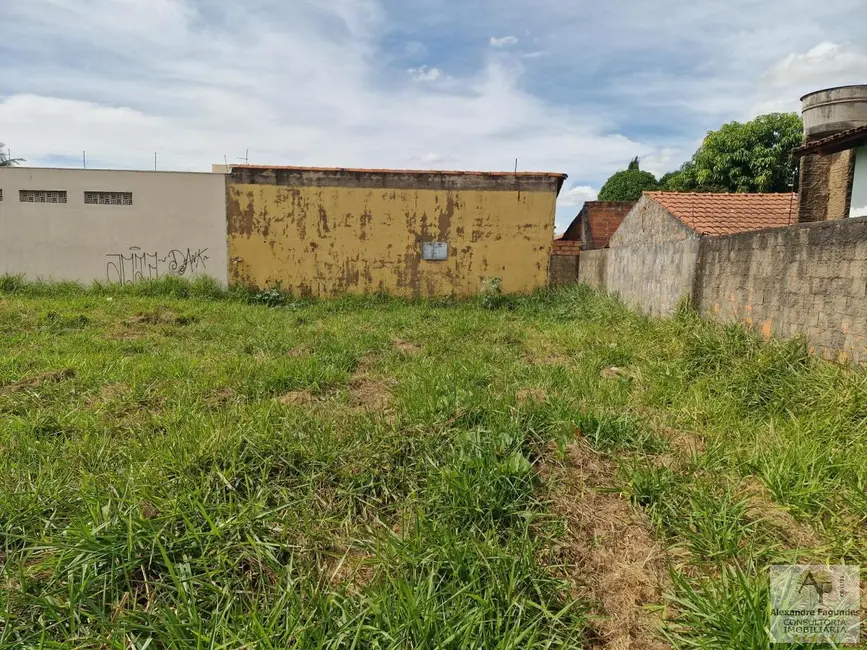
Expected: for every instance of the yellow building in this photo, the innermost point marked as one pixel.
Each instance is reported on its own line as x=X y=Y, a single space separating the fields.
x=321 y=232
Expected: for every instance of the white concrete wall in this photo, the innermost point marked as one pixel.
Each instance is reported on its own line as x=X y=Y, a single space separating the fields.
x=858 y=205
x=176 y=226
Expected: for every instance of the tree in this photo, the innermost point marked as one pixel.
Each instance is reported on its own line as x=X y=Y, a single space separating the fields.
x=6 y=160
x=627 y=184
x=755 y=156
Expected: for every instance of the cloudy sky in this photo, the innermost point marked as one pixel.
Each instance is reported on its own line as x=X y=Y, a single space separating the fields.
x=570 y=86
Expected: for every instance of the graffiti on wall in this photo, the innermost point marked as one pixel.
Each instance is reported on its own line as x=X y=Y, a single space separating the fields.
x=137 y=265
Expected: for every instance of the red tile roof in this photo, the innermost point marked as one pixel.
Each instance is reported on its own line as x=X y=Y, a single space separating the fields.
x=726 y=214
x=838 y=142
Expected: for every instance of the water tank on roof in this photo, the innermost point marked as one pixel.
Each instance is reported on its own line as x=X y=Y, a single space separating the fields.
x=833 y=110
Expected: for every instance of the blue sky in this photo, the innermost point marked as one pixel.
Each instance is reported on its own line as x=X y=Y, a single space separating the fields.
x=575 y=87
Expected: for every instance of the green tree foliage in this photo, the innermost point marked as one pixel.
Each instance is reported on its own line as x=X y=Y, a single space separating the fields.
x=755 y=156
x=627 y=184
x=6 y=160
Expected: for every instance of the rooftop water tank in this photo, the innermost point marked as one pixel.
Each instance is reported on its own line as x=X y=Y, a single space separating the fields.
x=833 y=110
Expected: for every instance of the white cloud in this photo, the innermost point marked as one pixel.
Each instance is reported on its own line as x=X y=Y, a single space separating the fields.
x=424 y=73
x=826 y=64
x=570 y=202
x=207 y=91
x=576 y=196
x=504 y=41
x=327 y=83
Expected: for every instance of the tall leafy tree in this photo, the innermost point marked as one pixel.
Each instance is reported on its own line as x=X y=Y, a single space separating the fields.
x=627 y=184
x=754 y=156
x=5 y=159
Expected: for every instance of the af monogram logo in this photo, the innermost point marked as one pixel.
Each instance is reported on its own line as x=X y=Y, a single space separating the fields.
x=815 y=604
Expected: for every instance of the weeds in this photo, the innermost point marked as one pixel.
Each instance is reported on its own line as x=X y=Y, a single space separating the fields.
x=158 y=490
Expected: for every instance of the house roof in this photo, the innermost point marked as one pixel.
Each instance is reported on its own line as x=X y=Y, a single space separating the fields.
x=395 y=178
x=727 y=214
x=602 y=217
x=833 y=143
x=361 y=170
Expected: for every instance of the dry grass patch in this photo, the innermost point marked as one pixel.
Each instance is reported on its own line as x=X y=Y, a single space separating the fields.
x=529 y=395
x=406 y=348
x=371 y=394
x=298 y=397
x=763 y=508
x=50 y=377
x=612 y=555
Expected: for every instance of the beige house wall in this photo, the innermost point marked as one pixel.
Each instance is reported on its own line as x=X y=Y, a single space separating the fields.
x=176 y=225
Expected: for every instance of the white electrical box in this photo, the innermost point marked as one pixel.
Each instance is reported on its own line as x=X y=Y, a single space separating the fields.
x=434 y=250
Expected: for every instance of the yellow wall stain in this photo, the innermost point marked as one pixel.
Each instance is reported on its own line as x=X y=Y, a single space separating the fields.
x=321 y=241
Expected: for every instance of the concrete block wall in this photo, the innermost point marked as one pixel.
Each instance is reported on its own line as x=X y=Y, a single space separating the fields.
x=651 y=262
x=807 y=278
x=653 y=278
x=591 y=268
x=563 y=263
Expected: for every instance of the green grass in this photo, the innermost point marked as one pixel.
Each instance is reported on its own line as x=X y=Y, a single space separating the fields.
x=156 y=491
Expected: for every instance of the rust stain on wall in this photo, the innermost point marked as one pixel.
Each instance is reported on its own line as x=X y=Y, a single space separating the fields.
x=325 y=232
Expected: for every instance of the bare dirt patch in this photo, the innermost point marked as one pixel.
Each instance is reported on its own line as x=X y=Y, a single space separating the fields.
x=50 y=377
x=610 y=553
x=371 y=394
x=297 y=352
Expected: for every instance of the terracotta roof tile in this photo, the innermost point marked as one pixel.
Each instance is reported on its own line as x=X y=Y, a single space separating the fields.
x=848 y=137
x=726 y=214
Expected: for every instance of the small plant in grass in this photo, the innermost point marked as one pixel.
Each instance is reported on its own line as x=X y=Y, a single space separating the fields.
x=271 y=297
x=11 y=283
x=492 y=296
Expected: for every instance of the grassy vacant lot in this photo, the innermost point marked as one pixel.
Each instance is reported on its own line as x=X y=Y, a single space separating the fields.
x=180 y=467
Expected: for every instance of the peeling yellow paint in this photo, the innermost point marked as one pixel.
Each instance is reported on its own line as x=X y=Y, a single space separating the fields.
x=326 y=240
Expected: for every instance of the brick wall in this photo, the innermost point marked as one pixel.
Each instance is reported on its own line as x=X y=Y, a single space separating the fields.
x=808 y=278
x=596 y=222
x=563 y=247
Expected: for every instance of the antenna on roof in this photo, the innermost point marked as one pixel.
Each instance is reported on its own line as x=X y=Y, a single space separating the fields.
x=792 y=193
x=246 y=157
x=84 y=159
x=155 y=160
x=516 y=166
